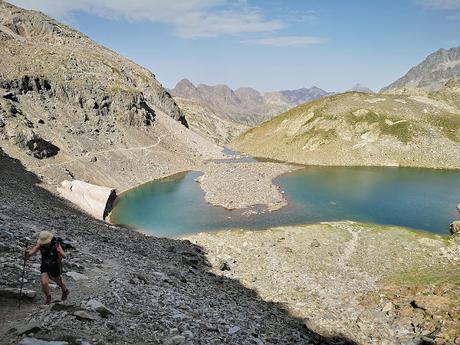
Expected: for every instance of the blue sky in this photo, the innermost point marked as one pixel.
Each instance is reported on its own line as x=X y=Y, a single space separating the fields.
x=269 y=45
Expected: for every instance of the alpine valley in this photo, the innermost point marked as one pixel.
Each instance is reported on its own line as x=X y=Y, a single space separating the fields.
x=79 y=117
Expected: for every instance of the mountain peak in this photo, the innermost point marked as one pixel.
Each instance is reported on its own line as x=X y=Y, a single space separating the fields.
x=431 y=74
x=186 y=89
x=360 y=88
x=184 y=83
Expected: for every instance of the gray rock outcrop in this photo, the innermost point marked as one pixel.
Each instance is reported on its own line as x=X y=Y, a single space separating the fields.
x=62 y=63
x=454 y=227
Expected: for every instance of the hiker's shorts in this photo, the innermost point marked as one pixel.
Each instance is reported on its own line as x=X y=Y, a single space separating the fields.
x=53 y=269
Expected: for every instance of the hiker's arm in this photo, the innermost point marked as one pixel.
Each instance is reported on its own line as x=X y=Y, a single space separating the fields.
x=60 y=251
x=33 y=251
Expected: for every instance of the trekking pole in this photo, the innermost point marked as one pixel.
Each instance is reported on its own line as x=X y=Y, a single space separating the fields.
x=23 y=273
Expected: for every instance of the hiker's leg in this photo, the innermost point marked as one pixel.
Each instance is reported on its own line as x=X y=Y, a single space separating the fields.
x=45 y=284
x=60 y=282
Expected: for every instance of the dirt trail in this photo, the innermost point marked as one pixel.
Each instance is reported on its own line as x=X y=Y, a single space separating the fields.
x=95 y=153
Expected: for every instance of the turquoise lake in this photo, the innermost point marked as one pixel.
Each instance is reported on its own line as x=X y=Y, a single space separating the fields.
x=422 y=199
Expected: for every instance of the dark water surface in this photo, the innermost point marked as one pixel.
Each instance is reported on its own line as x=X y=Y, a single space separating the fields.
x=417 y=198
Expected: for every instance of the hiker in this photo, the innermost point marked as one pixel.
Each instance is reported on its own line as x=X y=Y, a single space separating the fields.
x=52 y=254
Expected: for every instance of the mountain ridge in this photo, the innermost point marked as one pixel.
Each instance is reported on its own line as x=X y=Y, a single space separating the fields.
x=238 y=109
x=430 y=74
x=67 y=104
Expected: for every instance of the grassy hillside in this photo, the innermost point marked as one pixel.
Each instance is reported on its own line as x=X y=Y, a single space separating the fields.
x=361 y=129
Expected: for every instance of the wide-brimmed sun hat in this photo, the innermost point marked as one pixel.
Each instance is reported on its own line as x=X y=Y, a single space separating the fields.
x=45 y=237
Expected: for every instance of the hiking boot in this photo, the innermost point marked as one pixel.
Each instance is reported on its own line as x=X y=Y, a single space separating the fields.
x=48 y=299
x=65 y=294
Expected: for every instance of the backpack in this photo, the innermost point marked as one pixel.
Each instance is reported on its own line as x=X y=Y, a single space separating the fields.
x=65 y=244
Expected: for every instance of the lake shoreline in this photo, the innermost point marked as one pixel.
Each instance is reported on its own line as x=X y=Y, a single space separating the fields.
x=277 y=195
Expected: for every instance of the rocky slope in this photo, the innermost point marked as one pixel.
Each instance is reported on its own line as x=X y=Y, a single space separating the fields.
x=374 y=284
x=152 y=290
x=429 y=75
x=204 y=120
x=232 y=111
x=361 y=129
x=72 y=108
x=448 y=95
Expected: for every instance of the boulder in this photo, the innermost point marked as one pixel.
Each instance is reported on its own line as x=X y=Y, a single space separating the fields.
x=40 y=148
x=224 y=266
x=11 y=96
x=176 y=340
x=35 y=341
x=62 y=306
x=83 y=315
x=315 y=243
x=16 y=293
x=76 y=276
x=234 y=329
x=31 y=327
x=97 y=306
x=95 y=200
x=454 y=227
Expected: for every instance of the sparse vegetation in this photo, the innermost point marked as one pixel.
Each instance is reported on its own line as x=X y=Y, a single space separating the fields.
x=367 y=130
x=449 y=124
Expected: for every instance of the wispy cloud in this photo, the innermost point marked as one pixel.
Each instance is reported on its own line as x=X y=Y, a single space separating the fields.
x=287 y=41
x=440 y=4
x=452 y=7
x=190 y=18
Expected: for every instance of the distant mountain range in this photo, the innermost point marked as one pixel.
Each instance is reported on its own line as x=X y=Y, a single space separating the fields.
x=360 y=88
x=245 y=105
x=237 y=109
x=415 y=121
x=229 y=111
x=430 y=75
x=299 y=96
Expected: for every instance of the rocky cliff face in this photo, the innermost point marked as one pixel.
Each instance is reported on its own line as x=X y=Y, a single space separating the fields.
x=237 y=110
x=361 y=129
x=42 y=55
x=67 y=104
x=431 y=74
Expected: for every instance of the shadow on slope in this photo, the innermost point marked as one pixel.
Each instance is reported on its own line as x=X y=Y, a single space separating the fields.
x=157 y=288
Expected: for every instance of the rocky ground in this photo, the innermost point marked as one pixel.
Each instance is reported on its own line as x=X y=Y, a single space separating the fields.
x=374 y=284
x=152 y=290
x=243 y=185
